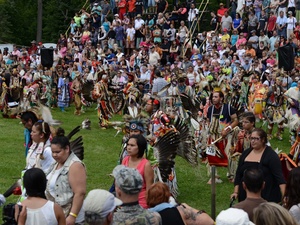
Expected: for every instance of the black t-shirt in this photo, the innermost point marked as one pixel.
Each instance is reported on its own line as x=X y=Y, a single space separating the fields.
x=214 y=23
x=262 y=22
x=165 y=47
x=224 y=116
x=139 y=6
x=161 y=5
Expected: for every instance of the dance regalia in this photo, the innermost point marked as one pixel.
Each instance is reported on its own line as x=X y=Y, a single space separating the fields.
x=274 y=110
x=219 y=119
x=293 y=111
x=256 y=96
x=100 y=93
x=11 y=92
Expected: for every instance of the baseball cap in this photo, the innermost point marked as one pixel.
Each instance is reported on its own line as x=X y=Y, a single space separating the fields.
x=100 y=202
x=129 y=180
x=233 y=216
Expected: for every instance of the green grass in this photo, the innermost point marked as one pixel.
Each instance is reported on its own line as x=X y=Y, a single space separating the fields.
x=101 y=156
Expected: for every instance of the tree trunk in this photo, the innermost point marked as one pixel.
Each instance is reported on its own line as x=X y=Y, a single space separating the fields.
x=39 y=21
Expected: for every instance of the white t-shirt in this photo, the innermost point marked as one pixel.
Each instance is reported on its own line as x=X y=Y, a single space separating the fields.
x=153 y=58
x=291 y=23
x=130 y=32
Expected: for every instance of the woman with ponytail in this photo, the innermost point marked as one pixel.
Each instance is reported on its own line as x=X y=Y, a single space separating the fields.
x=40 y=155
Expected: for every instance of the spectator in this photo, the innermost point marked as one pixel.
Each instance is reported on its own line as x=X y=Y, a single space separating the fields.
x=138 y=26
x=257 y=5
x=233 y=216
x=252 y=22
x=161 y=6
x=77 y=19
x=263 y=156
x=264 y=39
x=183 y=32
x=253 y=40
x=221 y=11
x=36 y=208
x=292 y=197
x=237 y=22
x=192 y=16
x=139 y=7
x=291 y=24
x=136 y=147
x=28 y=119
x=67 y=176
x=39 y=154
x=263 y=21
x=96 y=22
x=270 y=213
x=128 y=183
x=253 y=184
x=120 y=35
x=96 y=9
x=159 y=83
x=122 y=5
x=158 y=198
x=214 y=22
x=281 y=23
x=99 y=206
x=226 y=22
x=154 y=57
x=105 y=10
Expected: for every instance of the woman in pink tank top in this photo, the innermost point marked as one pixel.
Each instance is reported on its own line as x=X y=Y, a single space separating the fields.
x=136 y=147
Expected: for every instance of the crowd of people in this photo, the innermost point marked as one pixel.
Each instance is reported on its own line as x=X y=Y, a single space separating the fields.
x=185 y=93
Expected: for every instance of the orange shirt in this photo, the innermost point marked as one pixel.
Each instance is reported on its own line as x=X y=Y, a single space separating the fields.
x=251 y=52
x=131 y=6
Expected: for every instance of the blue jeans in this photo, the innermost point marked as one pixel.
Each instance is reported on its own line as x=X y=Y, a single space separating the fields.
x=120 y=44
x=282 y=32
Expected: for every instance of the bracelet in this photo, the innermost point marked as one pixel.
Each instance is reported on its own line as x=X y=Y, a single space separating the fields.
x=230 y=127
x=73 y=214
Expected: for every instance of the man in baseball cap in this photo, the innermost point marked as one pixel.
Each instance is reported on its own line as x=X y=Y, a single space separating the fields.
x=128 y=183
x=99 y=206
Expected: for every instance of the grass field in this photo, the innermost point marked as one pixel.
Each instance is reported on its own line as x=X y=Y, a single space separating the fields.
x=101 y=155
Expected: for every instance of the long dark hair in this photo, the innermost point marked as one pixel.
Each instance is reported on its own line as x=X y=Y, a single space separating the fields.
x=141 y=143
x=292 y=191
x=35 y=182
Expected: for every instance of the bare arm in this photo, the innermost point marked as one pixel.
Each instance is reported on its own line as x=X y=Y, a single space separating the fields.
x=192 y=216
x=282 y=189
x=77 y=180
x=234 y=123
x=20 y=217
x=149 y=175
x=59 y=213
x=235 y=192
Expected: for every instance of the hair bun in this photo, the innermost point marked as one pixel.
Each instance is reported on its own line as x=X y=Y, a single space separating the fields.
x=60 y=132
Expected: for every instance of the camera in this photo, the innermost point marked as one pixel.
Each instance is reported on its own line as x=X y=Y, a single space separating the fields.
x=8 y=214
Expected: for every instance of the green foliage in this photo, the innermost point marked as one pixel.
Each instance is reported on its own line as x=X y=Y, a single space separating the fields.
x=19 y=19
